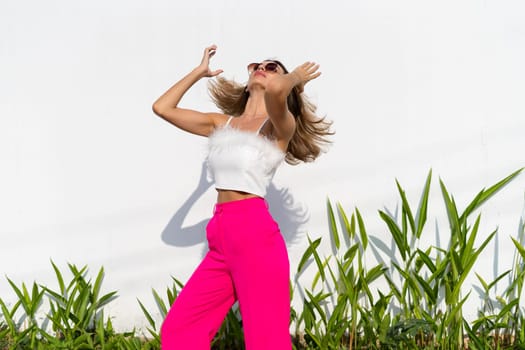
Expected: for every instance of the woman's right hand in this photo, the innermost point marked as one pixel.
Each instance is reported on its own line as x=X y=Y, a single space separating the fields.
x=204 y=67
x=195 y=122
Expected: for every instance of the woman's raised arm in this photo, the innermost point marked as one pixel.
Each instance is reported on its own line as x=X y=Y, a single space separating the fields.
x=189 y=120
x=276 y=95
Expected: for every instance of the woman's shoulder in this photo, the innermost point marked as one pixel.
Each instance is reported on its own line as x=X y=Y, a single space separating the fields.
x=219 y=119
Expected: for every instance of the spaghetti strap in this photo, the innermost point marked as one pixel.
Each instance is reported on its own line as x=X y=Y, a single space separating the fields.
x=228 y=121
x=262 y=125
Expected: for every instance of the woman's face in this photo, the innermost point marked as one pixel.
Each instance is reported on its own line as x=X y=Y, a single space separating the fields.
x=261 y=73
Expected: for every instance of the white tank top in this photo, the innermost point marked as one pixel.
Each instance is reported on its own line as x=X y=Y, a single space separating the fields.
x=242 y=160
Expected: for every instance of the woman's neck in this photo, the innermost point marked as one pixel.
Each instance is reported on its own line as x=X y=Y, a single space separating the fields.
x=255 y=106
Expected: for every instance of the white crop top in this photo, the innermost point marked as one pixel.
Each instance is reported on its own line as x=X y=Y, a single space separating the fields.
x=242 y=160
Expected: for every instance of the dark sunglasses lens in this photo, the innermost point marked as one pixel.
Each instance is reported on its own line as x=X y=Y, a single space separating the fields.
x=268 y=67
x=271 y=67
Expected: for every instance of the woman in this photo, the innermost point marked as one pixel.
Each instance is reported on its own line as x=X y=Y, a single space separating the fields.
x=263 y=123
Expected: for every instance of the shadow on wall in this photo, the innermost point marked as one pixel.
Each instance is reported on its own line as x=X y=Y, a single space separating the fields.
x=290 y=215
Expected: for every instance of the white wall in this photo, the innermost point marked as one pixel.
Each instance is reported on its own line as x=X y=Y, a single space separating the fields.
x=90 y=176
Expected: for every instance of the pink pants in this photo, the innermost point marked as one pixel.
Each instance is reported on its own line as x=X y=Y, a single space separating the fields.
x=247 y=261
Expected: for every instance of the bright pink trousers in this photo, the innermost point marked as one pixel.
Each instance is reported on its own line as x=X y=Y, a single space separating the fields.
x=247 y=261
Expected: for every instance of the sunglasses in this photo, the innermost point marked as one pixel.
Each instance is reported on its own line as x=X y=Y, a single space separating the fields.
x=267 y=67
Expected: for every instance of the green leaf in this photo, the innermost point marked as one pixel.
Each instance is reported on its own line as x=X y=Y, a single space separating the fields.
x=320 y=274
x=36 y=300
x=160 y=303
x=314 y=338
x=345 y=280
x=308 y=253
x=485 y=194
x=421 y=215
x=455 y=309
x=333 y=226
x=81 y=306
x=374 y=273
x=315 y=301
x=483 y=283
x=147 y=315
x=452 y=213
x=22 y=296
x=351 y=253
x=519 y=247
x=318 y=262
x=394 y=289
x=97 y=285
x=8 y=317
x=493 y=283
x=507 y=309
x=406 y=207
x=475 y=341
x=58 y=298
x=337 y=318
x=396 y=233
x=362 y=230
x=425 y=257
x=430 y=293
x=106 y=299
x=60 y=279
x=468 y=266
x=469 y=247
x=350 y=229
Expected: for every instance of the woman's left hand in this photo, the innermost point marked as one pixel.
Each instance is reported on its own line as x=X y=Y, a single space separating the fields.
x=304 y=73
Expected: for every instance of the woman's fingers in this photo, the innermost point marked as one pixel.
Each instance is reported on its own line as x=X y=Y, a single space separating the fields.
x=209 y=52
x=310 y=66
x=315 y=75
x=212 y=50
x=308 y=71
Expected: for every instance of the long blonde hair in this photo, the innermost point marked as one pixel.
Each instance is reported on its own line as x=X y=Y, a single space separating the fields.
x=311 y=131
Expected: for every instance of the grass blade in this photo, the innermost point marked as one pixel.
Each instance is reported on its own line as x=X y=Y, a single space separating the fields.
x=362 y=230
x=396 y=233
x=308 y=253
x=333 y=226
x=485 y=194
x=406 y=207
x=350 y=230
x=421 y=215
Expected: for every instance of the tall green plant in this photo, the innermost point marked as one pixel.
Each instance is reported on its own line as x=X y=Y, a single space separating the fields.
x=514 y=292
x=76 y=307
x=22 y=328
x=336 y=307
x=461 y=256
x=427 y=273
x=493 y=317
x=75 y=315
x=414 y=294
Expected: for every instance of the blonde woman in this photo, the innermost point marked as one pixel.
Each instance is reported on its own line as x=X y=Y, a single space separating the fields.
x=265 y=122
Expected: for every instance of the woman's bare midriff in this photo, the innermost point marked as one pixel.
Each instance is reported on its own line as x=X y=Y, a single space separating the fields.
x=229 y=195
